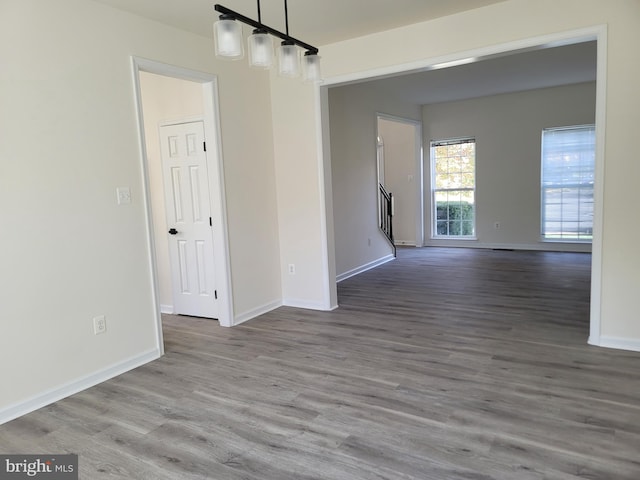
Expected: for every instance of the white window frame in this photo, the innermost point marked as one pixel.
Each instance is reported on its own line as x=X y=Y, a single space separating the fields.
x=581 y=185
x=435 y=190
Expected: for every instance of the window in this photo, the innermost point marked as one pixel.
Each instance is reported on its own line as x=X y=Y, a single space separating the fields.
x=568 y=161
x=453 y=187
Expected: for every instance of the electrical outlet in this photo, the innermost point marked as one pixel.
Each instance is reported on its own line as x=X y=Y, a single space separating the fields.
x=99 y=325
x=496 y=225
x=292 y=269
x=124 y=195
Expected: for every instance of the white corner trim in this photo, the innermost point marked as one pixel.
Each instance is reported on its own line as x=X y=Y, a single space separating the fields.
x=619 y=343
x=364 y=268
x=168 y=309
x=328 y=284
x=256 y=312
x=595 y=322
x=53 y=395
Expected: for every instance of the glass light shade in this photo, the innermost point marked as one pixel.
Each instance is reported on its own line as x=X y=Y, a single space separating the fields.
x=228 y=39
x=311 y=68
x=260 y=50
x=289 y=60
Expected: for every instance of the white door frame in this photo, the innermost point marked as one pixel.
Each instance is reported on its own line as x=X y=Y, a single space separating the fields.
x=211 y=119
x=418 y=172
x=596 y=32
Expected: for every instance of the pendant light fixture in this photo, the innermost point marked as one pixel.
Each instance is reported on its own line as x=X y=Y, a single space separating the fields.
x=288 y=55
x=260 y=49
x=260 y=46
x=288 y=60
x=228 y=35
x=311 y=67
x=228 y=45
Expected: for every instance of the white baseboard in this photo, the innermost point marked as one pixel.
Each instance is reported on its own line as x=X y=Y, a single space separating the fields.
x=297 y=303
x=632 y=344
x=288 y=302
x=256 y=312
x=364 y=268
x=168 y=309
x=53 y=395
x=404 y=243
x=542 y=246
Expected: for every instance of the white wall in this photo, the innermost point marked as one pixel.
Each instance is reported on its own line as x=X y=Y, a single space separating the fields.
x=507 y=129
x=164 y=99
x=69 y=138
x=513 y=23
x=401 y=176
x=353 y=113
x=301 y=200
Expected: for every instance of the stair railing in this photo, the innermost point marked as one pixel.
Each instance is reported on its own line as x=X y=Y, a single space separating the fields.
x=386 y=215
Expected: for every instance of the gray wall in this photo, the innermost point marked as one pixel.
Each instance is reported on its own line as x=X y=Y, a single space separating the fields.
x=353 y=113
x=507 y=129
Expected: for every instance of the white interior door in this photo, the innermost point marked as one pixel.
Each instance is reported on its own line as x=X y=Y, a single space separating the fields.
x=188 y=207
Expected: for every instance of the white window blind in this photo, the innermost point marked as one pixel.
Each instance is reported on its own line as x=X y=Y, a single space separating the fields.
x=568 y=162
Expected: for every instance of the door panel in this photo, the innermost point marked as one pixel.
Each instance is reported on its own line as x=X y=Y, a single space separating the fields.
x=188 y=210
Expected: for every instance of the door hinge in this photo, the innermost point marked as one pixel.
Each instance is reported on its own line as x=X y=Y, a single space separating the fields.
x=204 y=145
x=215 y=294
x=210 y=222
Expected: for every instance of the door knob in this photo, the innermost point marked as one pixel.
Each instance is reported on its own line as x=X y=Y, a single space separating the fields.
x=173 y=231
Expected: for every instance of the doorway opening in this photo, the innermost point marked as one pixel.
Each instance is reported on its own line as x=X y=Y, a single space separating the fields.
x=399 y=159
x=168 y=95
x=349 y=82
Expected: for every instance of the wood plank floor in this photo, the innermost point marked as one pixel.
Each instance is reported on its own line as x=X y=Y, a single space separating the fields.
x=444 y=364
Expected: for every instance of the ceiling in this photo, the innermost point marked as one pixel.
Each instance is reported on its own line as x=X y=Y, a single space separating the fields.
x=317 y=22
x=320 y=22
x=514 y=72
